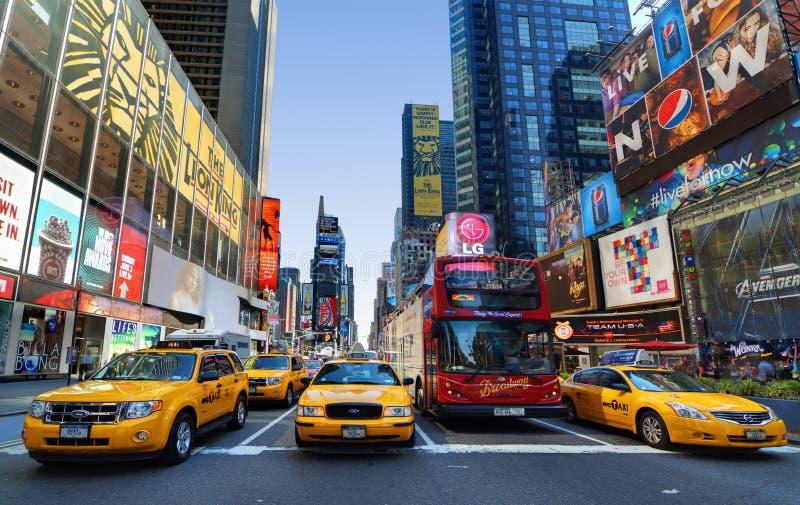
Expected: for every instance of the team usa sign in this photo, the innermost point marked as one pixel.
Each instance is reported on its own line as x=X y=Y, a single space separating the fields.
x=686 y=72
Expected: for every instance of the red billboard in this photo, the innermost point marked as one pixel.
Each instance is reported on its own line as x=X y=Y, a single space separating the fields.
x=269 y=245
x=130 y=266
x=327 y=313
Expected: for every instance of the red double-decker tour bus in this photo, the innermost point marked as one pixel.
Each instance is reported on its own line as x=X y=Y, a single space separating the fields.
x=476 y=339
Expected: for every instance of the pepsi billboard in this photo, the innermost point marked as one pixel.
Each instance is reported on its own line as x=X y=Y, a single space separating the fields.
x=601 y=205
x=715 y=57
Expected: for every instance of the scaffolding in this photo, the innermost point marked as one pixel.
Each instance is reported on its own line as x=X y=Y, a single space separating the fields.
x=560 y=180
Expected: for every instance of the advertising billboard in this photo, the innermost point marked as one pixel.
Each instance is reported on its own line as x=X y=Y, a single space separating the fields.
x=55 y=233
x=98 y=248
x=601 y=205
x=39 y=344
x=327 y=313
x=305 y=294
x=637 y=266
x=466 y=234
x=123 y=337
x=741 y=158
x=270 y=240
x=130 y=267
x=150 y=335
x=16 y=188
x=748 y=269
x=328 y=224
x=740 y=53
x=620 y=328
x=426 y=162
x=565 y=223
x=343 y=299
x=569 y=277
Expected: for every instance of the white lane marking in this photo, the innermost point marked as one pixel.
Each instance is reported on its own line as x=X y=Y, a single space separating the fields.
x=425 y=437
x=457 y=466
x=669 y=491
x=255 y=450
x=15 y=449
x=553 y=426
x=265 y=428
x=195 y=450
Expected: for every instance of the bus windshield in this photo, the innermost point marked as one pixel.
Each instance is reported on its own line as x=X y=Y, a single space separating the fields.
x=493 y=347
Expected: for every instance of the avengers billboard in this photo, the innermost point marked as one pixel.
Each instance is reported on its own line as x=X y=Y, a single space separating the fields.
x=714 y=59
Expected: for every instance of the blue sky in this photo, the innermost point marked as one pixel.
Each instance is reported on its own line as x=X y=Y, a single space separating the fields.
x=343 y=72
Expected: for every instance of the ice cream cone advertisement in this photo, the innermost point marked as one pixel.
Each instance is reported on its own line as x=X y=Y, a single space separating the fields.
x=55 y=233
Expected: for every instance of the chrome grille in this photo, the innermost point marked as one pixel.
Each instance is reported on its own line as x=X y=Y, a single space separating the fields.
x=744 y=418
x=258 y=381
x=89 y=413
x=353 y=411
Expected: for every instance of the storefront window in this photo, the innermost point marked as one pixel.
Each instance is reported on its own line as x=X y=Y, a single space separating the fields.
x=108 y=178
x=69 y=152
x=5 y=331
x=22 y=112
x=40 y=342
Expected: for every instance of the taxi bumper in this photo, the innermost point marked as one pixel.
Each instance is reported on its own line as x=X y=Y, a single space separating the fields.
x=267 y=393
x=716 y=433
x=104 y=441
x=383 y=430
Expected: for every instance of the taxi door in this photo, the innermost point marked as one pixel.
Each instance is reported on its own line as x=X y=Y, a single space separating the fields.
x=210 y=392
x=230 y=383
x=615 y=404
x=587 y=394
x=299 y=371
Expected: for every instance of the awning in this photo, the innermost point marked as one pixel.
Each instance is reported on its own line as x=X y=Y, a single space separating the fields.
x=255 y=302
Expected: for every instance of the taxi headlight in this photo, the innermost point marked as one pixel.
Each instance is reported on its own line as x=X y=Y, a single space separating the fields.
x=684 y=411
x=771 y=412
x=306 y=411
x=137 y=410
x=37 y=409
x=274 y=381
x=397 y=411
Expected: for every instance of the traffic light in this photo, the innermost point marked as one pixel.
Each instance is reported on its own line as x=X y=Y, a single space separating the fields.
x=327 y=337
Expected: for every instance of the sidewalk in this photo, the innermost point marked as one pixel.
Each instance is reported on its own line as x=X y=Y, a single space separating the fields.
x=16 y=396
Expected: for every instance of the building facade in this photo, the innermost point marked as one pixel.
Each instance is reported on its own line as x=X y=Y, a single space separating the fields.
x=124 y=205
x=523 y=93
x=227 y=50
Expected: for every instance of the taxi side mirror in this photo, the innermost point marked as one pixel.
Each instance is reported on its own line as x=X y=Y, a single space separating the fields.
x=305 y=381
x=620 y=386
x=209 y=375
x=408 y=381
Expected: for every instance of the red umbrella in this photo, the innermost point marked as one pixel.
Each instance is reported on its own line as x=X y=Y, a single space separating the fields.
x=660 y=345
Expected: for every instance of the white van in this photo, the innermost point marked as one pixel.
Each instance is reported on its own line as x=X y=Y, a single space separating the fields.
x=238 y=342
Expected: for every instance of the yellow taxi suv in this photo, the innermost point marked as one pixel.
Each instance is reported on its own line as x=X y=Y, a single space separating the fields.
x=355 y=400
x=275 y=376
x=143 y=404
x=665 y=407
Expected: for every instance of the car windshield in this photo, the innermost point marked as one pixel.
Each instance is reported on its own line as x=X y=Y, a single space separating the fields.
x=493 y=347
x=665 y=381
x=170 y=366
x=267 y=363
x=313 y=363
x=357 y=373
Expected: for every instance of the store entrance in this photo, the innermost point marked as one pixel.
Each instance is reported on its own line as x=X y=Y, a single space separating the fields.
x=89 y=332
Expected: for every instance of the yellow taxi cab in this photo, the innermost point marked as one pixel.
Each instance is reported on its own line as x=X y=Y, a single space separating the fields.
x=275 y=376
x=143 y=404
x=355 y=399
x=665 y=407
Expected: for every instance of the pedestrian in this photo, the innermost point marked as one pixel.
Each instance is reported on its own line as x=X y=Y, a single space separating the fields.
x=783 y=373
x=766 y=372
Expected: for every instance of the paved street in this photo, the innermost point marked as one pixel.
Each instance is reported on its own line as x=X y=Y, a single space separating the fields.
x=497 y=461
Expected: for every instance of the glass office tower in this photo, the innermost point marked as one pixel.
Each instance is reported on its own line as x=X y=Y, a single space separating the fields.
x=524 y=93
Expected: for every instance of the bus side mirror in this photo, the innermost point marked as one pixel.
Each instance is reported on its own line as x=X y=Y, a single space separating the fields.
x=408 y=381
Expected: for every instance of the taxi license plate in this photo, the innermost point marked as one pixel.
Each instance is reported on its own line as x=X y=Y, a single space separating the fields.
x=514 y=411
x=74 y=431
x=252 y=389
x=755 y=434
x=353 y=432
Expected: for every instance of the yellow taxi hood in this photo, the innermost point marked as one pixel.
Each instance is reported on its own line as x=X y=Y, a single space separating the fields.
x=109 y=391
x=260 y=374
x=716 y=402
x=343 y=393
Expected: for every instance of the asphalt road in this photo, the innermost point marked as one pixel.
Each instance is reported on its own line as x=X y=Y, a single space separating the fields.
x=500 y=461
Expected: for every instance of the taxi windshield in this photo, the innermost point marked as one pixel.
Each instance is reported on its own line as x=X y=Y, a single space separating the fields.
x=665 y=381
x=160 y=366
x=267 y=363
x=357 y=373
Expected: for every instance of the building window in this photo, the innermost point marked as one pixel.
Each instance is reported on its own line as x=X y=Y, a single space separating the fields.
x=533 y=133
x=524 y=31
x=528 y=82
x=581 y=35
x=592 y=136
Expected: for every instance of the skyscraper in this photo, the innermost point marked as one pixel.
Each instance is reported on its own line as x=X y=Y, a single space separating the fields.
x=433 y=149
x=227 y=50
x=524 y=93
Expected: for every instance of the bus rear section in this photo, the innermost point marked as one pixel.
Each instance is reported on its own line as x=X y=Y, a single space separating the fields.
x=478 y=340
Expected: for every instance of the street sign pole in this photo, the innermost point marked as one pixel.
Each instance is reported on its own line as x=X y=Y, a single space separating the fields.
x=72 y=351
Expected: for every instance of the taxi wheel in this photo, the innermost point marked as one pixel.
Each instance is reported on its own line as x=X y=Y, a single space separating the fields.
x=239 y=414
x=289 y=400
x=181 y=436
x=572 y=412
x=654 y=431
x=299 y=442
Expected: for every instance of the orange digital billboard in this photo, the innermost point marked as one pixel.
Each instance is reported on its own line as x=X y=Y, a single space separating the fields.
x=269 y=245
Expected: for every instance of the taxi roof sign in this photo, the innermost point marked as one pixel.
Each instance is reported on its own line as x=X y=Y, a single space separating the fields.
x=633 y=357
x=357 y=352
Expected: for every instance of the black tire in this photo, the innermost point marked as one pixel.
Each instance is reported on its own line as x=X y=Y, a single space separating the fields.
x=419 y=401
x=572 y=412
x=289 y=400
x=299 y=442
x=181 y=438
x=653 y=430
x=409 y=444
x=239 y=414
